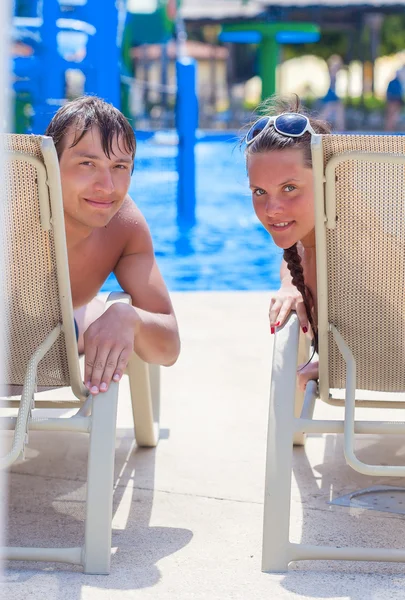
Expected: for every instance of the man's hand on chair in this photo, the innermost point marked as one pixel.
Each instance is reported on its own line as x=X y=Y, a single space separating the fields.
x=282 y=302
x=108 y=345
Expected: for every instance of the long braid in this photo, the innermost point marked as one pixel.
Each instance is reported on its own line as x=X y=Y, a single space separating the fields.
x=293 y=260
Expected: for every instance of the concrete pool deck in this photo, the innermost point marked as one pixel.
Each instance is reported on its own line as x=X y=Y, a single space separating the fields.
x=187 y=518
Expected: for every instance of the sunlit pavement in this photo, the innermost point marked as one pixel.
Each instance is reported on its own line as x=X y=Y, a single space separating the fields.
x=188 y=516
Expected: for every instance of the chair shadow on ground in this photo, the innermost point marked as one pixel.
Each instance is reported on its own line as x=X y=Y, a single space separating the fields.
x=331 y=525
x=47 y=507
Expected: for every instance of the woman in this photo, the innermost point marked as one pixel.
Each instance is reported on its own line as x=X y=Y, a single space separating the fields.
x=278 y=156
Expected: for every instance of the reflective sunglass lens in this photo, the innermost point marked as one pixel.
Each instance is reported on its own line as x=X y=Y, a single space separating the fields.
x=291 y=124
x=256 y=128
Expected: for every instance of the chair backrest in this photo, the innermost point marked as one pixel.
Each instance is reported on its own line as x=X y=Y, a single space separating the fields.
x=35 y=265
x=360 y=230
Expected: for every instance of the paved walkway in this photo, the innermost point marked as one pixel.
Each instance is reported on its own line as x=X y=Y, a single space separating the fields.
x=188 y=516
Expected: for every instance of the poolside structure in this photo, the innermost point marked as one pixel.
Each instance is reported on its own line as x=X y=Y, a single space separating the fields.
x=350 y=16
x=269 y=36
x=65 y=36
x=151 y=23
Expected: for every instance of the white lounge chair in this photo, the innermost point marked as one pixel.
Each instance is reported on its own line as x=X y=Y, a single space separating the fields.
x=39 y=344
x=360 y=246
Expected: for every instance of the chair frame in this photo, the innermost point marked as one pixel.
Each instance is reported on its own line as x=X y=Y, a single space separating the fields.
x=290 y=416
x=96 y=414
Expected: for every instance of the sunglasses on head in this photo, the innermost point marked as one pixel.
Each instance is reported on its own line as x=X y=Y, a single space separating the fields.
x=287 y=124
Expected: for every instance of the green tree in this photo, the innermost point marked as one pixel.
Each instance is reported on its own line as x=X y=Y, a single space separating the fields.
x=334 y=42
x=331 y=42
x=392 y=34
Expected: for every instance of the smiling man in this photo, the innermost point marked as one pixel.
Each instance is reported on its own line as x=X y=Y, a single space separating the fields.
x=106 y=232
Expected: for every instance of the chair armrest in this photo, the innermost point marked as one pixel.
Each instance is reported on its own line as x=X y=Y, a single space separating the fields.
x=115 y=297
x=144 y=382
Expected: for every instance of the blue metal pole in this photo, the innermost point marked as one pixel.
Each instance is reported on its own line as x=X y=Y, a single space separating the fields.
x=104 y=52
x=186 y=123
x=52 y=72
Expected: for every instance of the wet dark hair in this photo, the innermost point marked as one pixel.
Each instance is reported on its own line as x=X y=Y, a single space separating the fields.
x=268 y=141
x=87 y=112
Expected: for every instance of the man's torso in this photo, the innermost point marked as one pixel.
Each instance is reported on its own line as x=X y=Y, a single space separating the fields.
x=92 y=261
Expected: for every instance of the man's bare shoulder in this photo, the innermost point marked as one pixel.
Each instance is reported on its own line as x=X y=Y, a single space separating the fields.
x=129 y=216
x=130 y=226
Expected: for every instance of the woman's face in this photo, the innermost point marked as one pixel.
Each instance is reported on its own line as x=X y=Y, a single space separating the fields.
x=283 y=195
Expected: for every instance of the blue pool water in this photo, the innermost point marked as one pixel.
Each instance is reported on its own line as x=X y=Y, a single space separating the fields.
x=227 y=249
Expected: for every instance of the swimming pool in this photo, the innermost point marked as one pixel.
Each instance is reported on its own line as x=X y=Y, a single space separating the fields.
x=227 y=249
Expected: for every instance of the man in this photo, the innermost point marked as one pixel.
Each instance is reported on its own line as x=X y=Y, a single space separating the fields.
x=106 y=232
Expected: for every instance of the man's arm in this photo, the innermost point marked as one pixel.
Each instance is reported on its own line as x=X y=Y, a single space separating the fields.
x=149 y=326
x=156 y=337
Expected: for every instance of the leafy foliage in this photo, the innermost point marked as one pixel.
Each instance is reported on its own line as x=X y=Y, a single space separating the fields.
x=392 y=40
x=392 y=34
x=331 y=42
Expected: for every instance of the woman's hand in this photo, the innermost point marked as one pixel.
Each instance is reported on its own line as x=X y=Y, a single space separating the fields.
x=306 y=373
x=286 y=299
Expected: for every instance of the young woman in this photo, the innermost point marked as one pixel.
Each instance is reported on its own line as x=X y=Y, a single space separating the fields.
x=278 y=155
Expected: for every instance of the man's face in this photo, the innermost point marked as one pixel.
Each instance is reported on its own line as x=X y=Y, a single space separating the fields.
x=93 y=185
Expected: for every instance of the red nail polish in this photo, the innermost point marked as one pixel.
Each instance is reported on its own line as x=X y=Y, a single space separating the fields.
x=305 y=329
x=272 y=330
x=278 y=324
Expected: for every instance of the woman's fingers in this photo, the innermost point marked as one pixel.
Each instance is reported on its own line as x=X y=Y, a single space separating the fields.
x=280 y=312
x=275 y=306
x=302 y=316
x=280 y=308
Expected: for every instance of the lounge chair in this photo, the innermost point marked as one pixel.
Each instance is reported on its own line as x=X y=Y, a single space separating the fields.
x=360 y=245
x=39 y=339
